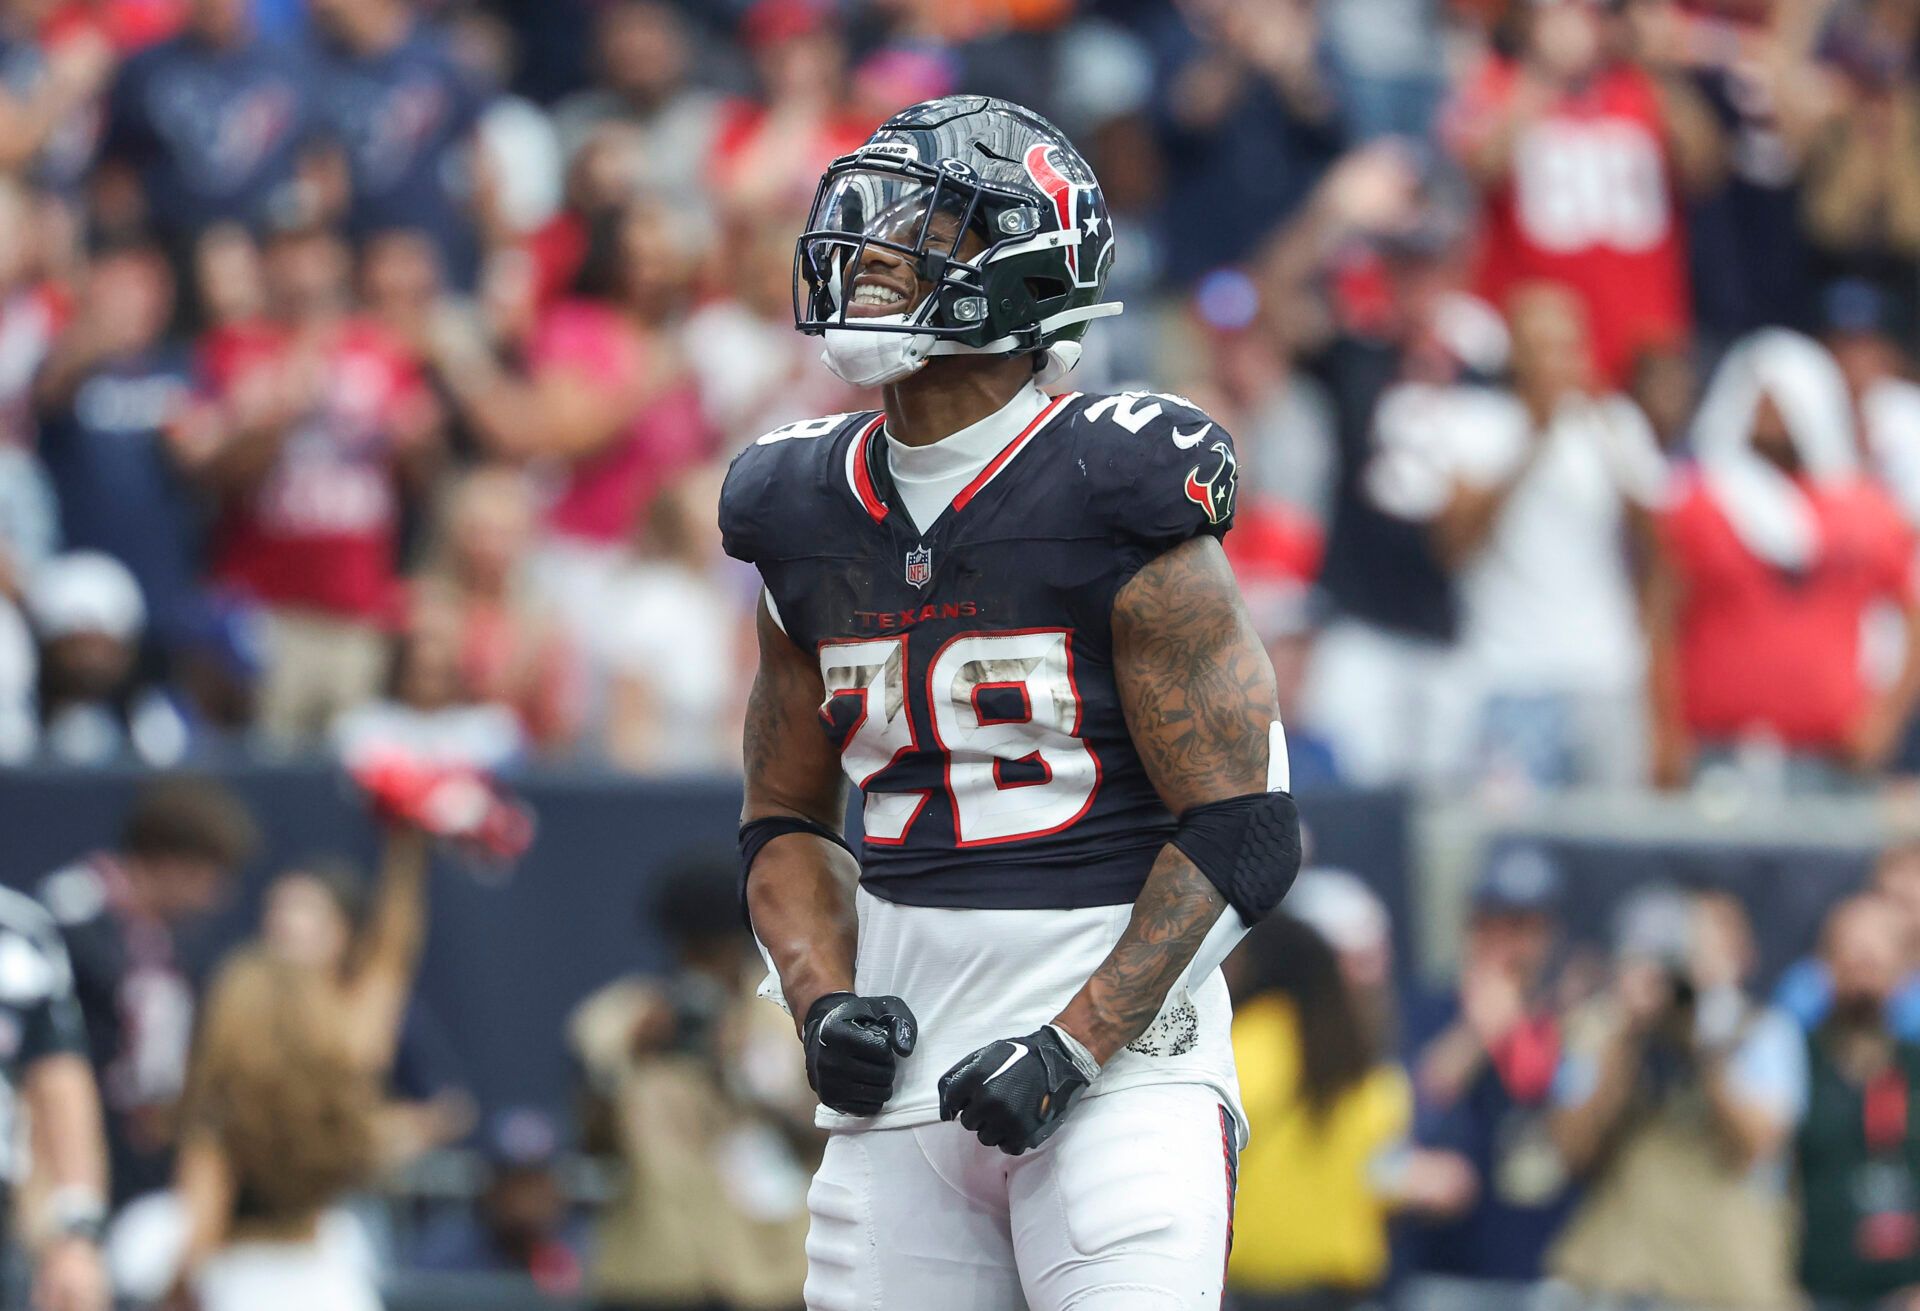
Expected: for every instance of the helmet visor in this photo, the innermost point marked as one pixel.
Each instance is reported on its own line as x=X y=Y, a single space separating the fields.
x=861 y=213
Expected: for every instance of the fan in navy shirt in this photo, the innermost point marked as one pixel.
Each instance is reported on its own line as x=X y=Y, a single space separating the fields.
x=213 y=122
x=120 y=915
x=1485 y=1058
x=1249 y=124
x=403 y=113
x=106 y=398
x=1752 y=219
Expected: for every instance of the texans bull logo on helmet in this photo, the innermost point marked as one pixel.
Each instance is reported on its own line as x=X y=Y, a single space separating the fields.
x=1069 y=184
x=1042 y=240
x=1214 y=493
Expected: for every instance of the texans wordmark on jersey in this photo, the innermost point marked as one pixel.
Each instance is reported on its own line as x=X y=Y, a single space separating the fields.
x=969 y=668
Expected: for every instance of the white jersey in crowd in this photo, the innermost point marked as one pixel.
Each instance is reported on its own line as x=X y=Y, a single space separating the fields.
x=1547 y=602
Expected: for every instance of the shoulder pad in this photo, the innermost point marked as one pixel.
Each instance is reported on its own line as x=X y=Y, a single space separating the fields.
x=1160 y=469
x=781 y=473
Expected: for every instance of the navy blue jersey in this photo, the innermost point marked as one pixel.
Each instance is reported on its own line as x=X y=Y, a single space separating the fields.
x=969 y=669
x=215 y=134
x=118 y=486
x=403 y=118
x=136 y=1004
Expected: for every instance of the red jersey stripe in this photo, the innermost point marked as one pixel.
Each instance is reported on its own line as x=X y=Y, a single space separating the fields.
x=1007 y=453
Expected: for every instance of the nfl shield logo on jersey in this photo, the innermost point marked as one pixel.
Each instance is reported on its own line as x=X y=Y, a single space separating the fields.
x=920 y=565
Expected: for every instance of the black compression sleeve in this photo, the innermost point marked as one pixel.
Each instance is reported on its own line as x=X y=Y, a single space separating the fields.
x=1248 y=847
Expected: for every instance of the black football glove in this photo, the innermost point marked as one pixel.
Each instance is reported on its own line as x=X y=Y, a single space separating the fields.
x=852 y=1044
x=1014 y=1093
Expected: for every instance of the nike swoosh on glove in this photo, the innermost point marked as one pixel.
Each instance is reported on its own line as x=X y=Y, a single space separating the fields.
x=853 y=1044
x=1014 y=1093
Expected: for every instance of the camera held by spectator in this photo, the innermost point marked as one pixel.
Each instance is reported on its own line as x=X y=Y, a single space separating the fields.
x=683 y=1071
x=1677 y=1098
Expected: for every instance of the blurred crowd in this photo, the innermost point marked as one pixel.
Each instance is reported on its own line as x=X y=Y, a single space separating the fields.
x=368 y=367
x=1582 y=1122
x=261 y=1099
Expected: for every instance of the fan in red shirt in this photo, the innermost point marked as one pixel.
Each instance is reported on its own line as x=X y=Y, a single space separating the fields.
x=1580 y=151
x=314 y=421
x=770 y=151
x=599 y=399
x=1775 y=550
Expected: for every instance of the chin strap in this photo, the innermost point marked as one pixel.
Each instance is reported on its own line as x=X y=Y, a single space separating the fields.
x=1010 y=343
x=872 y=359
x=1056 y=362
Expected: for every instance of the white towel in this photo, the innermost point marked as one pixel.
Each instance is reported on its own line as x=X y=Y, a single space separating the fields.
x=1768 y=509
x=1890 y=429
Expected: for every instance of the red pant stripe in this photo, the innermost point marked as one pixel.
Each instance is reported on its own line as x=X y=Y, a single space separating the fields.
x=1230 y=1158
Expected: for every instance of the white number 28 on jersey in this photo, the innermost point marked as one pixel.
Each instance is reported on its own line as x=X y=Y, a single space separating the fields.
x=1033 y=670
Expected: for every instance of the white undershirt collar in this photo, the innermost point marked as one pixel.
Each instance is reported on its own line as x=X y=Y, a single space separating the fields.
x=929 y=477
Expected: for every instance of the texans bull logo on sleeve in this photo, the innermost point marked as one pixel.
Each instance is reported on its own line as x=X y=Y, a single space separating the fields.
x=1214 y=493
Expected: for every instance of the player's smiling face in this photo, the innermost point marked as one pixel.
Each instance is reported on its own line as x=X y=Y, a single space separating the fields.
x=889 y=282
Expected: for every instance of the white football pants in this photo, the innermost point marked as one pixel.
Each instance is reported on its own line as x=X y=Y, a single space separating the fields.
x=1127 y=1208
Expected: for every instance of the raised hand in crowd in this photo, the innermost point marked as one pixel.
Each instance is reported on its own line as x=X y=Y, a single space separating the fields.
x=1492 y=1003
x=77 y=69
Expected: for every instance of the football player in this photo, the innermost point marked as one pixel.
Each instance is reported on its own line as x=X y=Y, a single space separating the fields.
x=1005 y=616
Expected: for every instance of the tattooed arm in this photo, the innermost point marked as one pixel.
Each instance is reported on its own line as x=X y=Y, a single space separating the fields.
x=801 y=894
x=1199 y=695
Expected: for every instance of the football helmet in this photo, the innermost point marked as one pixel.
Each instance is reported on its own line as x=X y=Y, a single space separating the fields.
x=932 y=176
